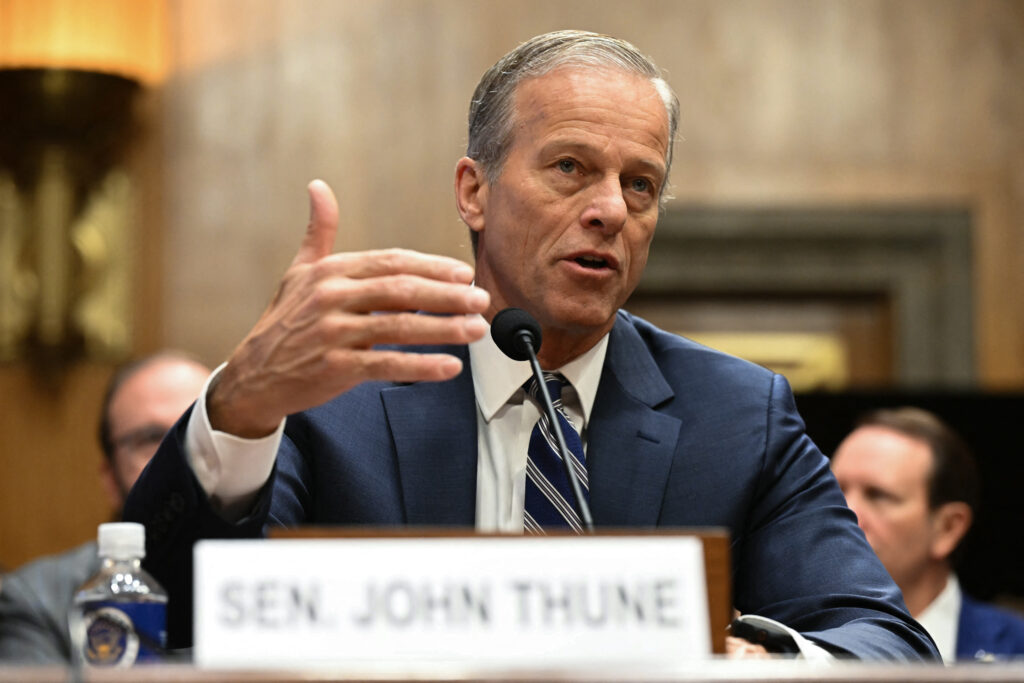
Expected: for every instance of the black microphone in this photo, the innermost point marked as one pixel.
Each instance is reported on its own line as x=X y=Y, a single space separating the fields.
x=517 y=334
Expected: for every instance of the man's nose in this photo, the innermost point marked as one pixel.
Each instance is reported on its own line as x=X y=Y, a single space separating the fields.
x=606 y=210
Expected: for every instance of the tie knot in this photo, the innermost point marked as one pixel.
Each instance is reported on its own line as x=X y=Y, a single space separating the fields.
x=554 y=381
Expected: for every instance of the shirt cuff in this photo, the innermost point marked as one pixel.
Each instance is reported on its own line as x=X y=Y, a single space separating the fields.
x=230 y=469
x=808 y=650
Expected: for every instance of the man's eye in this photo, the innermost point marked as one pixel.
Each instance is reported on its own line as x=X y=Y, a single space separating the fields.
x=566 y=165
x=641 y=185
x=148 y=436
x=878 y=495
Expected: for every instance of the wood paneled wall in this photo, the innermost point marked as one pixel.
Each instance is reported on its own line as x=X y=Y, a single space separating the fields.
x=785 y=103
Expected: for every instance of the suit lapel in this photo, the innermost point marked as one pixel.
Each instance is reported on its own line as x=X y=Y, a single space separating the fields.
x=630 y=444
x=434 y=428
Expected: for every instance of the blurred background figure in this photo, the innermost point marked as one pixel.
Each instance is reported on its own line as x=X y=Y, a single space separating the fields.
x=913 y=485
x=142 y=401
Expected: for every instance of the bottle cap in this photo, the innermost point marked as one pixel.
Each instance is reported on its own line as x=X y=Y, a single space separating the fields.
x=122 y=540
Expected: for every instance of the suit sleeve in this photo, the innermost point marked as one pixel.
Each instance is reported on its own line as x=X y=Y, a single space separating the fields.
x=169 y=501
x=30 y=632
x=34 y=604
x=834 y=590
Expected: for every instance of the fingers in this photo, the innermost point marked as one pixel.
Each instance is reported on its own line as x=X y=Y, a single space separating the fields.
x=371 y=264
x=348 y=331
x=398 y=366
x=399 y=293
x=386 y=280
x=323 y=224
x=740 y=648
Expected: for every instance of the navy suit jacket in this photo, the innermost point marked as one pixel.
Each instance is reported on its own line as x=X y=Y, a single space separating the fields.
x=680 y=436
x=985 y=631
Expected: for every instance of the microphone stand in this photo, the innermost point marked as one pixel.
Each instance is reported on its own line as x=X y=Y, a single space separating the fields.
x=581 y=503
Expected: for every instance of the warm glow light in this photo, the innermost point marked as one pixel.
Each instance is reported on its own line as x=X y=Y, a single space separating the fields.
x=124 y=37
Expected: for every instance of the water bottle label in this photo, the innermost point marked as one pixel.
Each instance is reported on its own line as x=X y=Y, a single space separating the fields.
x=119 y=634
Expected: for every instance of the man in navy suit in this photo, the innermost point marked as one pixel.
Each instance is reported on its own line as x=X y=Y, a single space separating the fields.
x=570 y=146
x=913 y=484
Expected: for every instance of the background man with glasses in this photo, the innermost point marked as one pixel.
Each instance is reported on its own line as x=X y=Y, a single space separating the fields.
x=142 y=401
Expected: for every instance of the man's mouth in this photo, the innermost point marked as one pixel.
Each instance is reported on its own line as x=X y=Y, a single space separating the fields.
x=594 y=262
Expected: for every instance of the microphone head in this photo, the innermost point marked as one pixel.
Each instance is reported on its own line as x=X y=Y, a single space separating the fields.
x=515 y=332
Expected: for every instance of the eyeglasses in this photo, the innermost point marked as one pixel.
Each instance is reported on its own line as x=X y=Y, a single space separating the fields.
x=145 y=437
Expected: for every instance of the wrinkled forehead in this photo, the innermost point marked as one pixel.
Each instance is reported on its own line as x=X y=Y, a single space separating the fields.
x=550 y=92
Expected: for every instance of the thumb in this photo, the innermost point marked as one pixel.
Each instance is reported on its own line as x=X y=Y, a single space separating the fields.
x=323 y=224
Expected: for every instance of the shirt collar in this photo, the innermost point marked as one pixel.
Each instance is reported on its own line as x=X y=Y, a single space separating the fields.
x=496 y=377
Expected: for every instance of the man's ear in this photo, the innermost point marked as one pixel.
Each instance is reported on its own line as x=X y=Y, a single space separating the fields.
x=110 y=485
x=471 y=192
x=950 y=523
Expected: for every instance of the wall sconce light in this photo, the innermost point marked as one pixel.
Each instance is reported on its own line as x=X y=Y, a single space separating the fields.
x=70 y=71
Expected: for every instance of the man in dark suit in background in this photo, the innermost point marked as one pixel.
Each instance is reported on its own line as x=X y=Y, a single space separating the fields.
x=143 y=399
x=913 y=484
x=570 y=146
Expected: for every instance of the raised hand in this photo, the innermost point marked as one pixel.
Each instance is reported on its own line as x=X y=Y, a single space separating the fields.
x=314 y=340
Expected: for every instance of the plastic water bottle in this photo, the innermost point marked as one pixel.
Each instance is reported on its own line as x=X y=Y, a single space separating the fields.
x=120 y=615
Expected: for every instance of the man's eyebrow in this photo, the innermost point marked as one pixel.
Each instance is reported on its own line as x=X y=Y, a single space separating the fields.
x=143 y=431
x=564 y=145
x=656 y=168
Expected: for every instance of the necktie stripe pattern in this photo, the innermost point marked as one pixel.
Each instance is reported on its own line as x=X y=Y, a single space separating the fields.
x=552 y=440
x=550 y=503
x=553 y=496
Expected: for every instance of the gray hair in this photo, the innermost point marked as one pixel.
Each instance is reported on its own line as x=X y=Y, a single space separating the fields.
x=491 y=111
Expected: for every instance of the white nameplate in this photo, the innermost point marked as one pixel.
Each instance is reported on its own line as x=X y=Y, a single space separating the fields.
x=475 y=602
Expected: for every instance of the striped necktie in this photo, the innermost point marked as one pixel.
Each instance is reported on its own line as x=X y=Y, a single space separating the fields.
x=550 y=503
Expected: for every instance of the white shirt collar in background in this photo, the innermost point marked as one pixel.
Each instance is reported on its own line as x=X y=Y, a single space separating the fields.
x=942 y=617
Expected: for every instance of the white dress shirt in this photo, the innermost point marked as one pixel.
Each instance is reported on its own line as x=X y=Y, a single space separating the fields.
x=505 y=418
x=942 y=618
